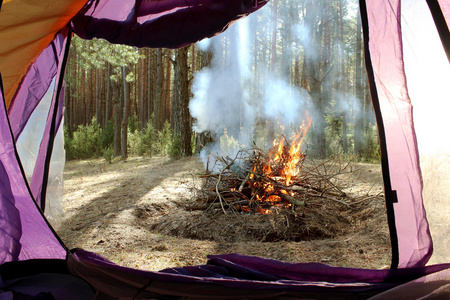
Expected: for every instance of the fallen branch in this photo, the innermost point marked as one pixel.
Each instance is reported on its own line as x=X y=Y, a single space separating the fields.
x=253 y=179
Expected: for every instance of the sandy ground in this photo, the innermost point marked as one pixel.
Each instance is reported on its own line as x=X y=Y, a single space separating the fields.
x=116 y=210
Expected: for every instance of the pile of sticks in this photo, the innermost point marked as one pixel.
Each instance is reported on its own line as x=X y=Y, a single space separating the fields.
x=252 y=182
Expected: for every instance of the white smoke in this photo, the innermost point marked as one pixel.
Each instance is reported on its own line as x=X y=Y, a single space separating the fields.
x=228 y=101
x=283 y=101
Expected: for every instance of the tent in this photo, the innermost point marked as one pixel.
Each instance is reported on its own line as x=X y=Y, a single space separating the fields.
x=35 y=263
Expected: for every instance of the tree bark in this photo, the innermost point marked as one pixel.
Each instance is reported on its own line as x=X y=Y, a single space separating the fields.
x=98 y=100
x=270 y=127
x=343 y=81
x=91 y=100
x=117 y=118
x=181 y=113
x=315 y=79
x=150 y=86
x=108 y=96
x=359 y=122
x=67 y=114
x=158 y=98
x=83 y=99
x=204 y=138
x=142 y=105
x=167 y=112
x=126 y=110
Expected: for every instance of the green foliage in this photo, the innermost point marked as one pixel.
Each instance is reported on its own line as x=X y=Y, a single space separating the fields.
x=148 y=137
x=228 y=143
x=108 y=154
x=91 y=141
x=68 y=145
x=97 y=52
x=141 y=142
x=370 y=147
x=371 y=150
x=108 y=135
x=133 y=124
x=164 y=140
x=175 y=148
x=133 y=140
x=108 y=59
x=86 y=142
x=194 y=141
x=333 y=132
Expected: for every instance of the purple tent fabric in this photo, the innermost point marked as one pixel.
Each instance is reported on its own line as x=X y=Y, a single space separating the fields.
x=160 y=24
x=54 y=118
x=238 y=276
x=411 y=240
x=24 y=232
x=26 y=235
x=35 y=84
x=445 y=7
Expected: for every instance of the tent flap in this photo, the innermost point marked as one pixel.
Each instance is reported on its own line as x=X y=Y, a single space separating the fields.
x=234 y=276
x=410 y=235
x=25 y=233
x=160 y=24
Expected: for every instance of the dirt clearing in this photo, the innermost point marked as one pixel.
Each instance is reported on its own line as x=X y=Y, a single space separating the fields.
x=137 y=213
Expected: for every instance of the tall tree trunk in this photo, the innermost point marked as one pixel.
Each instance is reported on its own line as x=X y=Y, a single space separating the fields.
x=359 y=122
x=167 y=112
x=204 y=138
x=314 y=20
x=158 y=98
x=150 y=85
x=270 y=127
x=182 y=118
x=142 y=105
x=91 y=100
x=98 y=100
x=67 y=114
x=126 y=111
x=83 y=99
x=117 y=118
x=135 y=104
x=304 y=76
x=108 y=96
x=343 y=81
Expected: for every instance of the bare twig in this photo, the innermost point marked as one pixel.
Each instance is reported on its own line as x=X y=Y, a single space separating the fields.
x=367 y=198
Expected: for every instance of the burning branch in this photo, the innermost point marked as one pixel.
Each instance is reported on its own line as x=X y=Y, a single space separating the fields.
x=247 y=183
x=257 y=181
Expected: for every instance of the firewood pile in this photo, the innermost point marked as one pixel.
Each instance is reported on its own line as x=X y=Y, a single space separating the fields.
x=268 y=196
x=255 y=181
x=274 y=195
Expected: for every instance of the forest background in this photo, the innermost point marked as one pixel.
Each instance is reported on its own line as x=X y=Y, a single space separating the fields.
x=265 y=73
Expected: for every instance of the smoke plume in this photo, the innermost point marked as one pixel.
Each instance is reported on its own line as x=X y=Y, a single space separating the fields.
x=233 y=95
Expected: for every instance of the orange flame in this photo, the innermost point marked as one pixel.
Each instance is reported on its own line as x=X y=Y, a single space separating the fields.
x=295 y=155
x=282 y=165
x=289 y=158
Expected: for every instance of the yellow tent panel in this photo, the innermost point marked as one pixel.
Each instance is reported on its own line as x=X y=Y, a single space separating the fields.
x=26 y=28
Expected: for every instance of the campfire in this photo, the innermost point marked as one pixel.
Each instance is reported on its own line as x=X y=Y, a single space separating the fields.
x=279 y=194
x=264 y=182
x=273 y=172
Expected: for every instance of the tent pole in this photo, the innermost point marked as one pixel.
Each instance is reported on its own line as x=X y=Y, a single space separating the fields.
x=441 y=25
x=53 y=124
